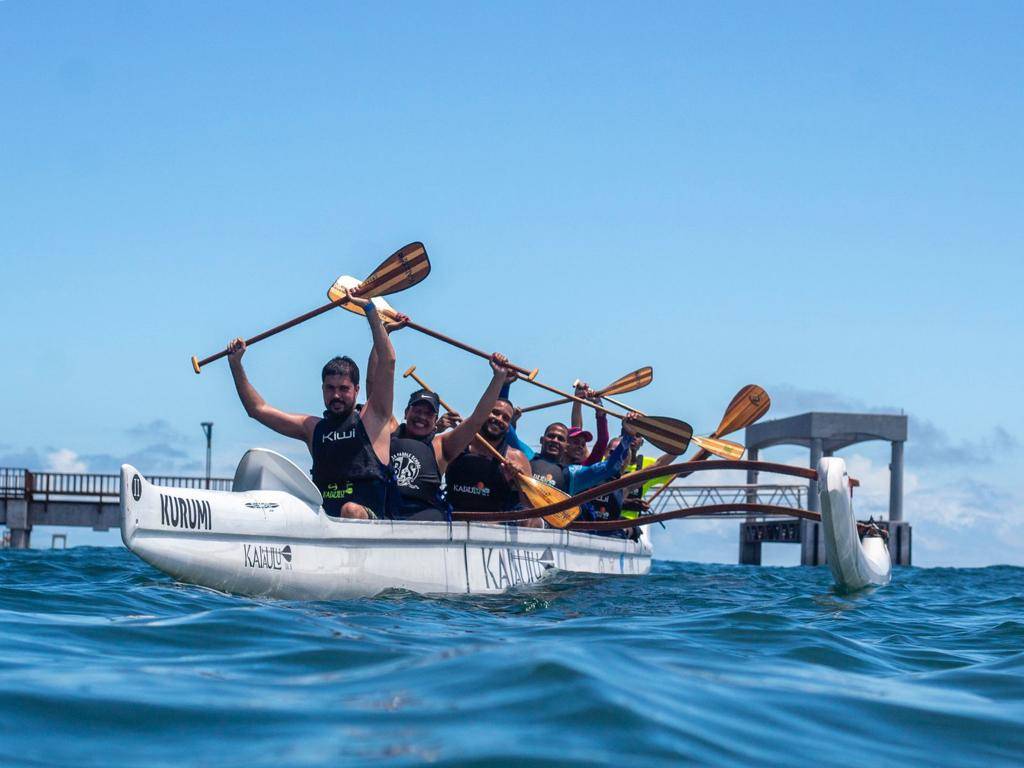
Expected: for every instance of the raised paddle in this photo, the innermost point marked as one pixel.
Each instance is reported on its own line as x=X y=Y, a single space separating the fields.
x=670 y=435
x=402 y=269
x=727 y=449
x=631 y=382
x=747 y=406
x=526 y=374
x=539 y=494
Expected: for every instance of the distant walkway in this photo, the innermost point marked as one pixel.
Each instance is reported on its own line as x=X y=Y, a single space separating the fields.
x=28 y=499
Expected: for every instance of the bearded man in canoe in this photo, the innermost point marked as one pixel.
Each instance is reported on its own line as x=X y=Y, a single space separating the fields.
x=420 y=455
x=477 y=481
x=351 y=448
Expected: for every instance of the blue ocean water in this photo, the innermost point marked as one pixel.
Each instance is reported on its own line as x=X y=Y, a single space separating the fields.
x=106 y=662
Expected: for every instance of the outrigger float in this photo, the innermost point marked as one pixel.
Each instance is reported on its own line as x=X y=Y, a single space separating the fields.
x=269 y=537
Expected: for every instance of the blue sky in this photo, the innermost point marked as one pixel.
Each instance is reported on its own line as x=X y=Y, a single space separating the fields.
x=825 y=200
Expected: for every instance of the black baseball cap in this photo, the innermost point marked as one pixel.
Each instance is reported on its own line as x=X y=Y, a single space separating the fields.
x=425 y=396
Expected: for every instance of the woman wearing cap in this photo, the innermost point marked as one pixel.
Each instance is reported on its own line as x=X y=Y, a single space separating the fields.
x=420 y=456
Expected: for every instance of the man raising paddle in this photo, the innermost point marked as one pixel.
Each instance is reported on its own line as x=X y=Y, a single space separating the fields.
x=350 y=447
x=420 y=454
x=475 y=480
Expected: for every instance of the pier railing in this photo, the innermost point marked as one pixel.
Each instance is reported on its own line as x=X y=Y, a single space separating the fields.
x=55 y=486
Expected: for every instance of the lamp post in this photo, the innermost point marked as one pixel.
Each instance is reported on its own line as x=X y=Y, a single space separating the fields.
x=208 y=431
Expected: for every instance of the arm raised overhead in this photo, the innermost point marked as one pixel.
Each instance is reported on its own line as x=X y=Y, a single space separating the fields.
x=294 y=425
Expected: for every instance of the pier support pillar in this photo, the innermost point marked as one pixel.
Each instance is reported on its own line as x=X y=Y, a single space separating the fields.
x=812 y=543
x=900 y=541
x=17 y=521
x=896 y=482
x=813 y=503
x=750 y=548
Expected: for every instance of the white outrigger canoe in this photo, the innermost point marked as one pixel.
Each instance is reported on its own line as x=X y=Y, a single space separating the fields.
x=269 y=537
x=855 y=562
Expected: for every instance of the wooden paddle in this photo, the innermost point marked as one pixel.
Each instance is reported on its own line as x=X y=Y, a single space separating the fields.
x=525 y=374
x=402 y=269
x=670 y=435
x=727 y=449
x=631 y=382
x=747 y=406
x=537 y=493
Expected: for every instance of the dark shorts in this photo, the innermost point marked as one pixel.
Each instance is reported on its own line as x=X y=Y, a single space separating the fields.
x=371 y=495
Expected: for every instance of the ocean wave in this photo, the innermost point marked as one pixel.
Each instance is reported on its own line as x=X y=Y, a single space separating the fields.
x=107 y=662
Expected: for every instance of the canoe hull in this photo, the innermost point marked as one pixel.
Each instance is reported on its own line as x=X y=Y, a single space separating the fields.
x=855 y=562
x=270 y=543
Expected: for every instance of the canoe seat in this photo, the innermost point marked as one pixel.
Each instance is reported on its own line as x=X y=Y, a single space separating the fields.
x=264 y=470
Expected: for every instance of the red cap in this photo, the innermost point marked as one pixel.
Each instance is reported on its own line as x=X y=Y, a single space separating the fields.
x=576 y=432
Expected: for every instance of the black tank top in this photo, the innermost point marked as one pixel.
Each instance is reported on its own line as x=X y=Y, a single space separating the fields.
x=474 y=482
x=415 y=466
x=550 y=472
x=345 y=466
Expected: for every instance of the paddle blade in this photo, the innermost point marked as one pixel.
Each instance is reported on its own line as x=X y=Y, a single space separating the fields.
x=402 y=269
x=749 y=405
x=670 y=435
x=347 y=281
x=727 y=449
x=631 y=382
x=541 y=494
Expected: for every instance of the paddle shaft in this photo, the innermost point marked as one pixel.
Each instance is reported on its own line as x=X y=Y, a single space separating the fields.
x=273 y=331
x=573 y=398
x=425 y=386
x=527 y=374
x=405 y=267
x=611 y=399
x=562 y=401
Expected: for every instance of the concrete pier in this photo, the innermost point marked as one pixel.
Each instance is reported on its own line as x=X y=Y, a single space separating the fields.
x=823 y=434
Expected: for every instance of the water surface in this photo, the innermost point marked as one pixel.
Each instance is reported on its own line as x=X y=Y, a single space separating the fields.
x=107 y=662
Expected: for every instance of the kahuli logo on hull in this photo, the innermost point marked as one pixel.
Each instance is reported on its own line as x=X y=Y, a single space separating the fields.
x=193 y=514
x=267 y=558
x=261 y=504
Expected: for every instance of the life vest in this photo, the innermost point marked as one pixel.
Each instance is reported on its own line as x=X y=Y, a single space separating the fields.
x=414 y=463
x=346 y=468
x=549 y=472
x=475 y=482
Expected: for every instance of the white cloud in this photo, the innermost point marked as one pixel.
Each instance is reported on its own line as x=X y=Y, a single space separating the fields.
x=64 y=460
